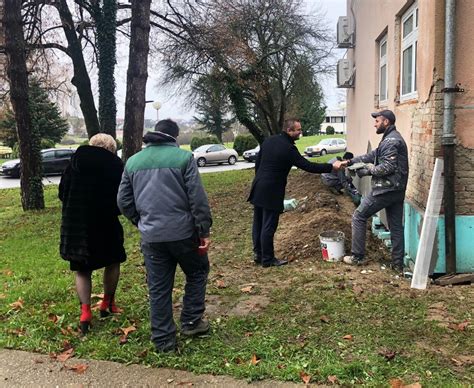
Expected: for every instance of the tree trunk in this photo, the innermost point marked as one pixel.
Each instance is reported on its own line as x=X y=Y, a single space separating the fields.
x=32 y=197
x=81 y=78
x=106 y=22
x=137 y=75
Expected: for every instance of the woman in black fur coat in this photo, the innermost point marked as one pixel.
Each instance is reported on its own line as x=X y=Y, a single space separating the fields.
x=91 y=233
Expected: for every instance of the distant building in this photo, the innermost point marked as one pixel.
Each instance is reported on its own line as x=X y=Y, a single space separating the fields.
x=335 y=119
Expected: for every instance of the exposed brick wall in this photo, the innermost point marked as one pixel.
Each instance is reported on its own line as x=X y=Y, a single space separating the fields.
x=427 y=130
x=464 y=180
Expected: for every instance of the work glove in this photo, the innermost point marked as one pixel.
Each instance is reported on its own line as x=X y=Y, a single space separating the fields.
x=365 y=171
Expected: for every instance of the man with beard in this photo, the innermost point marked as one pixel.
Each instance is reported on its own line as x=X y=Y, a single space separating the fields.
x=388 y=166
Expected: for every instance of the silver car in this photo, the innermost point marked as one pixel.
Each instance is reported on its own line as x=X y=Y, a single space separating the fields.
x=214 y=153
x=327 y=146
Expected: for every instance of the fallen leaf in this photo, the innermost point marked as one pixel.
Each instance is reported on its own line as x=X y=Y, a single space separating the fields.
x=414 y=385
x=123 y=339
x=396 y=383
x=306 y=378
x=67 y=354
x=324 y=319
x=53 y=317
x=38 y=361
x=357 y=290
x=66 y=345
x=128 y=330
x=248 y=334
x=333 y=379
x=18 y=332
x=255 y=359
x=188 y=383
x=281 y=366
x=462 y=326
x=348 y=337
x=220 y=283
x=78 y=368
x=17 y=305
x=238 y=361
x=387 y=353
x=143 y=353
x=246 y=289
x=457 y=362
x=7 y=272
x=169 y=381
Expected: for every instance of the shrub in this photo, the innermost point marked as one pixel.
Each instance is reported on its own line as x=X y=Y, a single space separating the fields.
x=47 y=143
x=199 y=141
x=244 y=142
x=330 y=130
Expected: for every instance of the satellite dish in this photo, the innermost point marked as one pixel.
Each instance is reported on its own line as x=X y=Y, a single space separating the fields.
x=157 y=105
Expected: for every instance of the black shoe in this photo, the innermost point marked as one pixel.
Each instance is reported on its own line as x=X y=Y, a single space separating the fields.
x=257 y=260
x=274 y=263
x=199 y=327
x=398 y=268
x=166 y=346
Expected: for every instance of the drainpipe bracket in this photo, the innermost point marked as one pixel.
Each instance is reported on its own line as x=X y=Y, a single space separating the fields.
x=456 y=89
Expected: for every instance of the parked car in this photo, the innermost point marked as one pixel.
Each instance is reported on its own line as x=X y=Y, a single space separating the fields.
x=251 y=155
x=214 y=153
x=55 y=161
x=327 y=146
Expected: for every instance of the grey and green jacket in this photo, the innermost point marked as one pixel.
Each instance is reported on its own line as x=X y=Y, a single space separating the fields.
x=161 y=192
x=390 y=158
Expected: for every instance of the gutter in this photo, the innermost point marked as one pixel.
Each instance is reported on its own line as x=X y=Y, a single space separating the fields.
x=448 y=139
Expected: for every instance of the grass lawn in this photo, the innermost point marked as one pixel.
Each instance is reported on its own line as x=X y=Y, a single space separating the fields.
x=280 y=323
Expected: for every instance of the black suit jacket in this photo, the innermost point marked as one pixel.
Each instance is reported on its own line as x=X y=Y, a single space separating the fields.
x=276 y=157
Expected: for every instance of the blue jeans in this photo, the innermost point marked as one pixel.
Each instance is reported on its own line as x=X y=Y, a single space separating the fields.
x=160 y=261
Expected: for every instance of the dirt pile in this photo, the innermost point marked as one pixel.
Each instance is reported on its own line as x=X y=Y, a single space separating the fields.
x=319 y=210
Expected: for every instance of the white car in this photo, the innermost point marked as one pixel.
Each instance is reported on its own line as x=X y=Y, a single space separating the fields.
x=327 y=146
x=214 y=153
x=251 y=155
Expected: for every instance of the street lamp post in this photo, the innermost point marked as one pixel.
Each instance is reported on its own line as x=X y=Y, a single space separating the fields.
x=157 y=106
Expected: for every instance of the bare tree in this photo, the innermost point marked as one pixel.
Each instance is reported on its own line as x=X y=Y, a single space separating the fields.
x=257 y=46
x=31 y=184
x=137 y=75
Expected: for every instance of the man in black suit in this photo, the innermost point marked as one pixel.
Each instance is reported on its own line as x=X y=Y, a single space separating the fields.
x=276 y=157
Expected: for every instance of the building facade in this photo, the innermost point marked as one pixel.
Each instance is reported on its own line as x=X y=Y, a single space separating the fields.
x=335 y=119
x=397 y=62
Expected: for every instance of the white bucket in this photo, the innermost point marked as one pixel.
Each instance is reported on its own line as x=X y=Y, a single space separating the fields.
x=332 y=245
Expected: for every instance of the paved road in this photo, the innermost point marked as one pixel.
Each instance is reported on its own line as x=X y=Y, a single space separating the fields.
x=23 y=369
x=8 y=183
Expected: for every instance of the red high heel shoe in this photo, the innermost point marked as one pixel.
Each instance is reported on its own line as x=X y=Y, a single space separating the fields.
x=86 y=318
x=107 y=306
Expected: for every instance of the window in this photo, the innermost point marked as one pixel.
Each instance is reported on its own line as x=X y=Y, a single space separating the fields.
x=63 y=153
x=341 y=142
x=383 y=92
x=409 y=25
x=48 y=155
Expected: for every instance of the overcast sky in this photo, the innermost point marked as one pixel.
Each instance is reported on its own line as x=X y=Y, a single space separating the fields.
x=174 y=107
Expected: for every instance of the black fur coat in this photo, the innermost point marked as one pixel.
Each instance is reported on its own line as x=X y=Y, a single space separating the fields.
x=91 y=233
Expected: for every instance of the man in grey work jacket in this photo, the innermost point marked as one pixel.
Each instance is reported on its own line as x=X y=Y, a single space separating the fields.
x=388 y=166
x=161 y=192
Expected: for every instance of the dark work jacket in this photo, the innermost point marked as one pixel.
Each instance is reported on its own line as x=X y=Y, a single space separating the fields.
x=91 y=233
x=391 y=163
x=276 y=157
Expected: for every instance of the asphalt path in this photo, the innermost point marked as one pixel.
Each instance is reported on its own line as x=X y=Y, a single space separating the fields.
x=9 y=183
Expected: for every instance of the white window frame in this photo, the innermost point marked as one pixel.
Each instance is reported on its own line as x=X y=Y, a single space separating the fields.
x=411 y=40
x=382 y=63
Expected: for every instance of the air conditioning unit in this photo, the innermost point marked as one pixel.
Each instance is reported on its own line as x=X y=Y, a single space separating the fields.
x=345 y=73
x=345 y=32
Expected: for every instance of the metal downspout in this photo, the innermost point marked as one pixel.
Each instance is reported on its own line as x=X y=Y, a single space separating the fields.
x=448 y=140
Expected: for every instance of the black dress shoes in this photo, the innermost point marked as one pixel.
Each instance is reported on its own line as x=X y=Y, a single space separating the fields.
x=274 y=263
x=257 y=260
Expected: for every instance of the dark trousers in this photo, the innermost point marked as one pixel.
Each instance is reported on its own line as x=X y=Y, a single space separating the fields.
x=392 y=202
x=160 y=261
x=265 y=223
